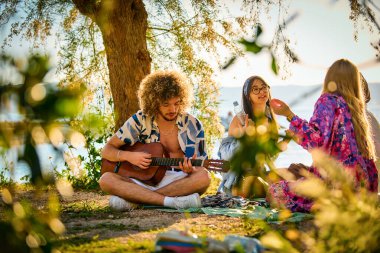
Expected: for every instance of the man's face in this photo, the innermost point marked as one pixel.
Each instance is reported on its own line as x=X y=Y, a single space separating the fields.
x=169 y=109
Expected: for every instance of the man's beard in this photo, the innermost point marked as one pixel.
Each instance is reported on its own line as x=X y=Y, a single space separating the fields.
x=168 y=119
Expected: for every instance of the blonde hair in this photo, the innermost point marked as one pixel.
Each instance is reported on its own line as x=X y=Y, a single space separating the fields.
x=343 y=78
x=160 y=86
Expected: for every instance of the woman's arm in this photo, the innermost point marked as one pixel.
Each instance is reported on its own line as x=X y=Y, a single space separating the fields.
x=236 y=129
x=317 y=132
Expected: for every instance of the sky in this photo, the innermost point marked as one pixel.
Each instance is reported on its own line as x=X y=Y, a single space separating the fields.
x=321 y=34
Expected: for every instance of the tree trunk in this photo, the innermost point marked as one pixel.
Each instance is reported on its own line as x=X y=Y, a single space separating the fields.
x=123 y=24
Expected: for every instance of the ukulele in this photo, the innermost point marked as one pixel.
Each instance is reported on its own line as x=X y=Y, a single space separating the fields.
x=157 y=169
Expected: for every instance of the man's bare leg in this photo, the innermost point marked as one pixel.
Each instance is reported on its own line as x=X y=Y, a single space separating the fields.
x=198 y=181
x=114 y=184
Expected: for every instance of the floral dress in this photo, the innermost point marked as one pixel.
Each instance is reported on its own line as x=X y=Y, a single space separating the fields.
x=331 y=129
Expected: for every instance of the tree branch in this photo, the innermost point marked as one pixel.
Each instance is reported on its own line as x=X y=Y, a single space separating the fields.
x=9 y=10
x=88 y=8
x=370 y=14
x=374 y=5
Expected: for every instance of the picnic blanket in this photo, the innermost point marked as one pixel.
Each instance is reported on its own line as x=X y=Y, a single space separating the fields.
x=240 y=207
x=257 y=212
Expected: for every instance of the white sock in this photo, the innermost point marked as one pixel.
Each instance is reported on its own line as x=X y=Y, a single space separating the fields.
x=169 y=201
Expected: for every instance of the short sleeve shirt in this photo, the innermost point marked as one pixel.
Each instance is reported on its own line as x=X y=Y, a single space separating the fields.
x=143 y=128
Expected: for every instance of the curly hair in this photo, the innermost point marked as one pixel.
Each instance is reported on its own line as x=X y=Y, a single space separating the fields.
x=160 y=86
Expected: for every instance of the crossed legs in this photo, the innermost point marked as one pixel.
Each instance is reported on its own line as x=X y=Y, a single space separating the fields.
x=114 y=184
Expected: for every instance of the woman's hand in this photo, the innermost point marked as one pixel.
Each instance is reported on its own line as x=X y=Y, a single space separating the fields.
x=246 y=122
x=297 y=169
x=280 y=108
x=236 y=128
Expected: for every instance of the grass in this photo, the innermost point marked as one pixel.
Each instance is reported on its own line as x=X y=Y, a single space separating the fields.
x=91 y=226
x=81 y=245
x=106 y=226
x=85 y=209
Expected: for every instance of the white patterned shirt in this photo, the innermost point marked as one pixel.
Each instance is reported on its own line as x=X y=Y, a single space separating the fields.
x=143 y=128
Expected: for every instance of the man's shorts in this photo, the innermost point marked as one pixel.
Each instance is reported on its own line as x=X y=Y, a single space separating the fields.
x=170 y=177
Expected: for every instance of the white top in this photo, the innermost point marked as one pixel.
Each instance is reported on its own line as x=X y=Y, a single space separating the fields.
x=375 y=126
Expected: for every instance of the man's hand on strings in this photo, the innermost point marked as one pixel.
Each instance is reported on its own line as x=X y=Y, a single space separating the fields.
x=186 y=165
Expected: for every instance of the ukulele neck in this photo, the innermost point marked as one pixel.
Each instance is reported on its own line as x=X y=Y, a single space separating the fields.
x=164 y=161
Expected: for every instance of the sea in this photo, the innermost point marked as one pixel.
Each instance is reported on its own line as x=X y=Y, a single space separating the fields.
x=301 y=99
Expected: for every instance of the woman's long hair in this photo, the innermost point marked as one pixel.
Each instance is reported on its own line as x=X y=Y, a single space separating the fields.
x=248 y=108
x=343 y=78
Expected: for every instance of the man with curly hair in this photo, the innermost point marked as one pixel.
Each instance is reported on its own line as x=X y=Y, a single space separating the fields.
x=164 y=97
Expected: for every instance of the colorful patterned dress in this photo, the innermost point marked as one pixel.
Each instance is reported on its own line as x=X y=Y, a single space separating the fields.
x=331 y=129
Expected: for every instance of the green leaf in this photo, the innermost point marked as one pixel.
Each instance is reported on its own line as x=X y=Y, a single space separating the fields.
x=274 y=65
x=259 y=31
x=251 y=46
x=229 y=63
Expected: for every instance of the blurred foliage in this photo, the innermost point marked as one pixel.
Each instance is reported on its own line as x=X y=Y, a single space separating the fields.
x=5 y=179
x=85 y=173
x=346 y=216
x=346 y=219
x=376 y=46
x=367 y=11
x=255 y=46
x=33 y=113
x=258 y=147
x=5 y=171
x=24 y=228
x=215 y=181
